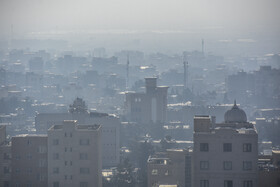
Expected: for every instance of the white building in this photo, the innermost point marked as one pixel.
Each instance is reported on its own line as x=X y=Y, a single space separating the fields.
x=225 y=154
x=74 y=155
x=110 y=130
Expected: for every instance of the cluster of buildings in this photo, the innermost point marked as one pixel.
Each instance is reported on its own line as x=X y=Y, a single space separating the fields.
x=69 y=155
x=223 y=154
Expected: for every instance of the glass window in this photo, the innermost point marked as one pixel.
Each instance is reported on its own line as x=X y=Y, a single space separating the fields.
x=247 y=165
x=227 y=147
x=204 y=147
x=6 y=170
x=55 y=184
x=204 y=165
x=42 y=149
x=55 y=170
x=247 y=147
x=227 y=165
x=247 y=183
x=228 y=183
x=154 y=172
x=29 y=170
x=204 y=183
x=83 y=156
x=29 y=156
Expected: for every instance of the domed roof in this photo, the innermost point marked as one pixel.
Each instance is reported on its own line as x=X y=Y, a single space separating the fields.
x=235 y=115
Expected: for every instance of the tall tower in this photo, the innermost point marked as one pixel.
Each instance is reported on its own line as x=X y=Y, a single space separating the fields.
x=127 y=72
x=186 y=66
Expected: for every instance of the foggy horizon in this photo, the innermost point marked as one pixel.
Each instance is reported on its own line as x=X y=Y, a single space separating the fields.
x=139 y=93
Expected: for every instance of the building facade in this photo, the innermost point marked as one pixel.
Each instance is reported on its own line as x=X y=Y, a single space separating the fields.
x=110 y=130
x=170 y=168
x=29 y=160
x=5 y=159
x=225 y=154
x=74 y=155
x=148 y=107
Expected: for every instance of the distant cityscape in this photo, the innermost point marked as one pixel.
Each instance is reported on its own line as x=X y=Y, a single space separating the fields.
x=132 y=118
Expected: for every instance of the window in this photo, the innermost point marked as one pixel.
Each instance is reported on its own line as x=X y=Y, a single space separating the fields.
x=204 y=165
x=227 y=147
x=55 y=141
x=7 y=156
x=41 y=177
x=55 y=170
x=42 y=149
x=65 y=163
x=17 y=157
x=227 y=165
x=6 y=184
x=247 y=165
x=29 y=170
x=65 y=149
x=247 y=147
x=65 y=177
x=167 y=172
x=55 y=156
x=204 y=147
x=55 y=184
x=17 y=170
x=84 y=141
x=84 y=170
x=42 y=163
x=154 y=172
x=228 y=183
x=29 y=184
x=28 y=142
x=83 y=156
x=29 y=156
x=247 y=183
x=6 y=170
x=204 y=183
x=83 y=184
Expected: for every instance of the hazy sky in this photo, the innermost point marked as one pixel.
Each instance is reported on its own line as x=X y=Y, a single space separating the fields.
x=45 y=15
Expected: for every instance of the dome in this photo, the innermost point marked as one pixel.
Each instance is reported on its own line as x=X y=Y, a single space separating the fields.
x=235 y=115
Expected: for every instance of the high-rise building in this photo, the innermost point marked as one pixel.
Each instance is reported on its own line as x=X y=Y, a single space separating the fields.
x=74 y=155
x=29 y=160
x=225 y=154
x=148 y=107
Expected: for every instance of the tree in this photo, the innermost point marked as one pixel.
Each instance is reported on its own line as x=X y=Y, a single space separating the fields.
x=78 y=106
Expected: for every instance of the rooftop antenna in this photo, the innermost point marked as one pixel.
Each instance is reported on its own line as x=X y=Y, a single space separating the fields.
x=202 y=46
x=12 y=35
x=127 y=72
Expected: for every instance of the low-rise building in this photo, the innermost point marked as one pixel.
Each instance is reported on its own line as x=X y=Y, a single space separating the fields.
x=170 y=168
